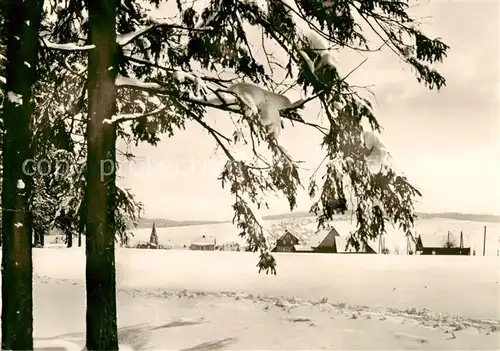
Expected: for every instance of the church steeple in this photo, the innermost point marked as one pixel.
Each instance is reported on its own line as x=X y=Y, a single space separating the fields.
x=153 y=239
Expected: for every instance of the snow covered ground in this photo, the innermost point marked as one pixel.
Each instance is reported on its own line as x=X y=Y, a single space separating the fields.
x=187 y=300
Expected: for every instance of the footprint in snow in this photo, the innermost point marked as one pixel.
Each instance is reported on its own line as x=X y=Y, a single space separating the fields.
x=300 y=319
x=409 y=337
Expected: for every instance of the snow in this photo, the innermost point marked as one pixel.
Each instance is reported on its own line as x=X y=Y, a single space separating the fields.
x=130 y=116
x=319 y=45
x=261 y=4
x=182 y=76
x=20 y=184
x=203 y=23
x=131 y=82
x=308 y=60
x=111 y=120
x=363 y=102
x=18 y=225
x=316 y=42
x=180 y=300
x=227 y=99
x=199 y=85
x=16 y=99
x=27 y=64
x=3 y=80
x=124 y=39
x=380 y=156
x=329 y=59
x=262 y=103
x=67 y=46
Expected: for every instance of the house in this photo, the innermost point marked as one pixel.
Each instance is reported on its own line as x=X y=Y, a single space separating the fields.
x=203 y=244
x=341 y=246
x=302 y=248
x=324 y=240
x=330 y=241
x=229 y=246
x=286 y=243
x=441 y=244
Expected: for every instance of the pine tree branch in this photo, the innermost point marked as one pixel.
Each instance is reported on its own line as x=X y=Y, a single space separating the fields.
x=132 y=116
x=215 y=134
x=155 y=88
x=127 y=38
x=46 y=44
x=172 y=70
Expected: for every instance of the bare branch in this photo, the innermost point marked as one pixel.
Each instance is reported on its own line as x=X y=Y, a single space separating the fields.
x=216 y=135
x=354 y=70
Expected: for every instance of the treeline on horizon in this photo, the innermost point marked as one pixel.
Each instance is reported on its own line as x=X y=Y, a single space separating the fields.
x=163 y=223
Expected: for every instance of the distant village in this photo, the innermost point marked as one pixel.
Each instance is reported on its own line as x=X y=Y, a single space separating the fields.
x=297 y=239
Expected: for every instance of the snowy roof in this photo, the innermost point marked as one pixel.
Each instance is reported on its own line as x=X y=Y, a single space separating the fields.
x=204 y=241
x=341 y=242
x=287 y=232
x=323 y=237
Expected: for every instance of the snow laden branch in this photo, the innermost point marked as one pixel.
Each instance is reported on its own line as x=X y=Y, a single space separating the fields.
x=379 y=157
x=256 y=101
x=127 y=38
x=250 y=185
x=46 y=43
x=133 y=116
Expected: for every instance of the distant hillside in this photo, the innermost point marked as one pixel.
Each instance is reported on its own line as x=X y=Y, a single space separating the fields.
x=298 y=214
x=461 y=216
x=422 y=215
x=162 y=223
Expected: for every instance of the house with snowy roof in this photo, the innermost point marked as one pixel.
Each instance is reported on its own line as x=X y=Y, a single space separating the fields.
x=442 y=244
x=329 y=240
x=286 y=243
x=205 y=243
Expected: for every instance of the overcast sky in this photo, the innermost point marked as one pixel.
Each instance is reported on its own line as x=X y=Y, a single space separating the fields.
x=447 y=143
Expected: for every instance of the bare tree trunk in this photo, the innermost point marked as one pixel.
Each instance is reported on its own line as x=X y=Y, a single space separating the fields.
x=22 y=24
x=42 y=238
x=69 y=239
x=79 y=238
x=100 y=200
x=38 y=234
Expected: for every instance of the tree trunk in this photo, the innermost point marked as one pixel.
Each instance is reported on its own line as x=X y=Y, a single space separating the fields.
x=22 y=24
x=42 y=238
x=79 y=239
x=100 y=190
x=38 y=234
x=36 y=238
x=69 y=239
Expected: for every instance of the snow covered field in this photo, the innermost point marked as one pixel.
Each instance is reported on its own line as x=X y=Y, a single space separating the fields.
x=188 y=300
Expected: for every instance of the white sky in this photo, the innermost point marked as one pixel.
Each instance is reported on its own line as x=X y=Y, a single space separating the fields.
x=447 y=143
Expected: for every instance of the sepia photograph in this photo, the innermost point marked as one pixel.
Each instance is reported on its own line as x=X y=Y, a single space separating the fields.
x=191 y=175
